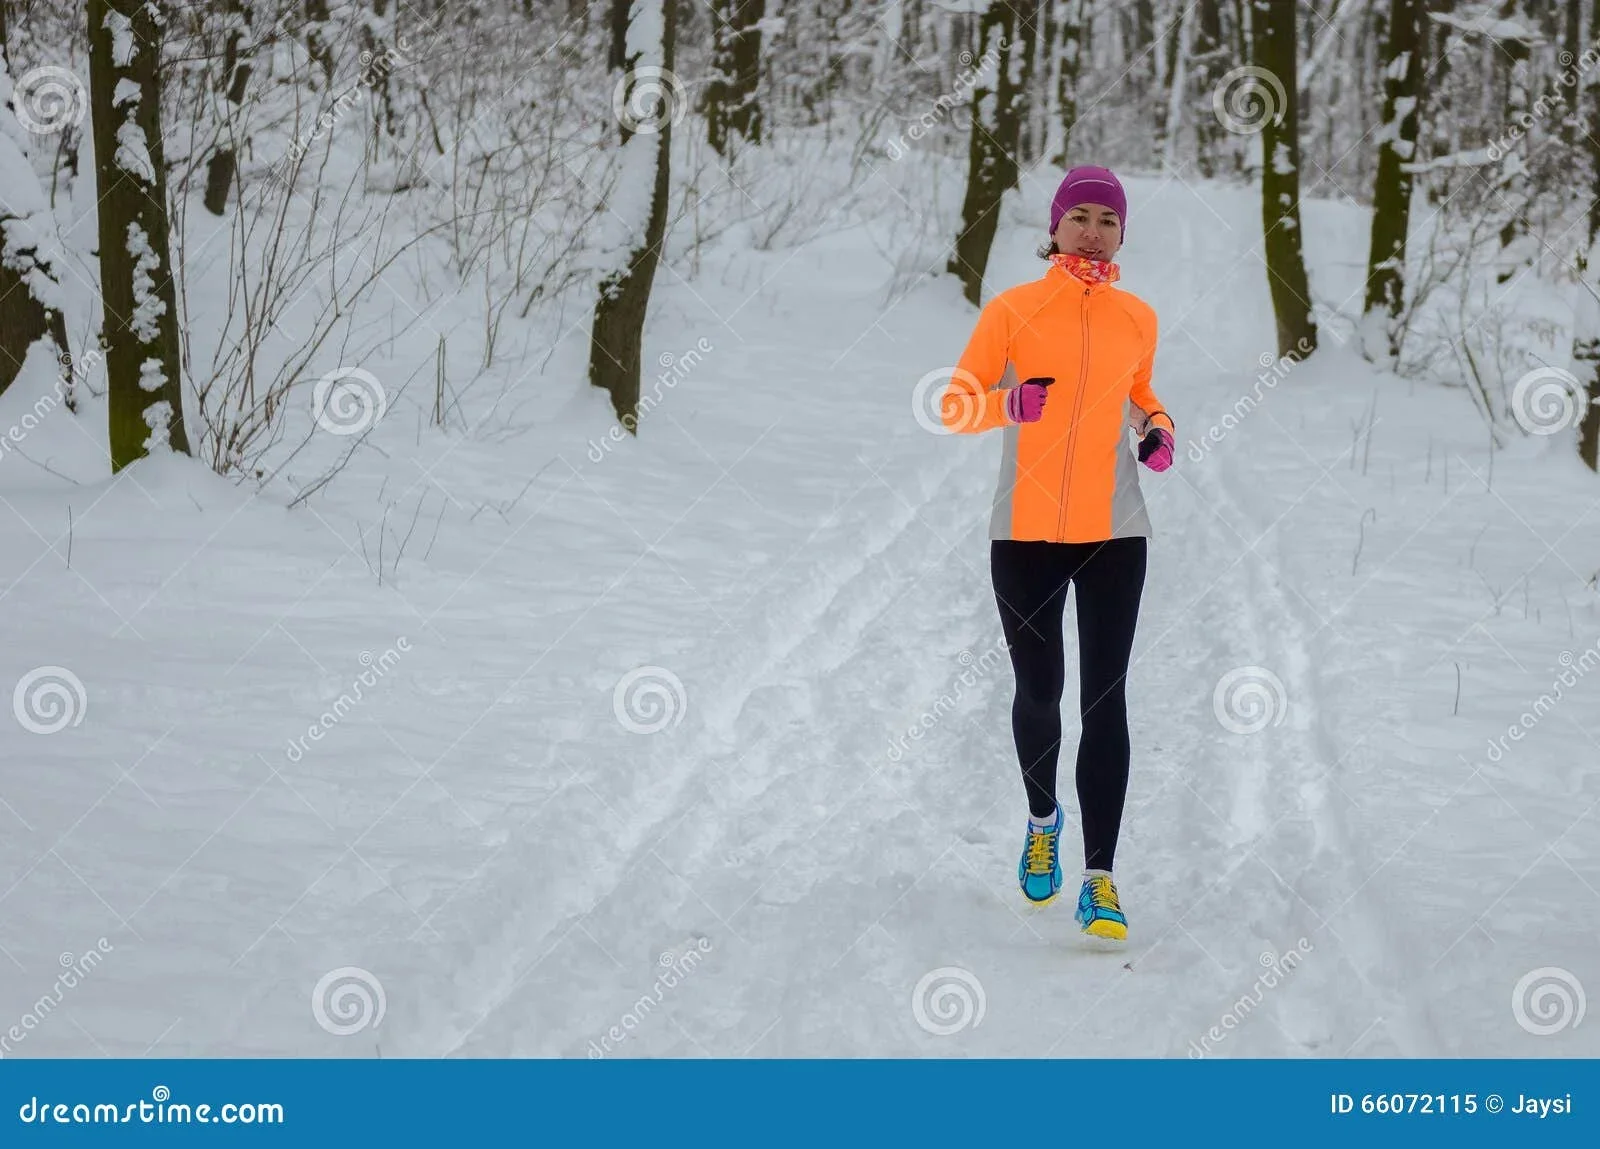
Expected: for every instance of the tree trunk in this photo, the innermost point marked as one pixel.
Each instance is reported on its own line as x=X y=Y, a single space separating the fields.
x=1515 y=57
x=1042 y=99
x=992 y=158
x=24 y=317
x=1391 y=193
x=235 y=76
x=731 y=104
x=1070 y=67
x=1177 y=81
x=1572 y=42
x=617 y=337
x=1035 y=63
x=1586 y=332
x=1208 y=63
x=1021 y=65
x=140 y=326
x=1273 y=38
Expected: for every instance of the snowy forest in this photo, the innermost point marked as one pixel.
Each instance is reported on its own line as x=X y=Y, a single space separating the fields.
x=476 y=529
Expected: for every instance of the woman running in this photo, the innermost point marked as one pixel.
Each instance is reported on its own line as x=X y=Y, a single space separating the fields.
x=1068 y=511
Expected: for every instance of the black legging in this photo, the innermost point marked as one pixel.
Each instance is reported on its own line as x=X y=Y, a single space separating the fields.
x=1030 y=583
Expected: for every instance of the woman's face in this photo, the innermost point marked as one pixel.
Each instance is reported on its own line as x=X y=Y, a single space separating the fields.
x=1090 y=229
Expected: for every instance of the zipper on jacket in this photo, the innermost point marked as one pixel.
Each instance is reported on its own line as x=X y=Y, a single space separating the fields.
x=1072 y=433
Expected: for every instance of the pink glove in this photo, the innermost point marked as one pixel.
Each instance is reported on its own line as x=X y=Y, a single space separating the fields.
x=1025 y=401
x=1155 y=450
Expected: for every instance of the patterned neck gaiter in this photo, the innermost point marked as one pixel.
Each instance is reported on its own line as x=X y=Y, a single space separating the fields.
x=1087 y=270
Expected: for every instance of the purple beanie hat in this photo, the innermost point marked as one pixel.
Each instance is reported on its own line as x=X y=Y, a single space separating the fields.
x=1089 y=184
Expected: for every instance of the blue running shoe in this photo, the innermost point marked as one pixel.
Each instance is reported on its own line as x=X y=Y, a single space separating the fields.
x=1039 y=872
x=1099 y=911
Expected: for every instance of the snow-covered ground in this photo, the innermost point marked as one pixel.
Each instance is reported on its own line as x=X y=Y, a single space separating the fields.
x=622 y=740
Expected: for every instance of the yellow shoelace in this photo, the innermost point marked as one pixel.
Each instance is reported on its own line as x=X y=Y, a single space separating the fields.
x=1103 y=893
x=1041 y=853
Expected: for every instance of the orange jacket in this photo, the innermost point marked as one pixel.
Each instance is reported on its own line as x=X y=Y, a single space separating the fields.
x=1072 y=476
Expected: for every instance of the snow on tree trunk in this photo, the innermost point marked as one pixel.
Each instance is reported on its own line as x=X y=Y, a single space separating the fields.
x=992 y=157
x=1273 y=41
x=648 y=99
x=1391 y=193
x=140 y=325
x=30 y=290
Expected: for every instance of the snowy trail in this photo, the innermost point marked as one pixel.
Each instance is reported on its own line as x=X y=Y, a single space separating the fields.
x=827 y=875
x=801 y=570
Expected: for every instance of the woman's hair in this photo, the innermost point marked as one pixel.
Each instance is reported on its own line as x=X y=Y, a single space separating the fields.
x=1046 y=250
